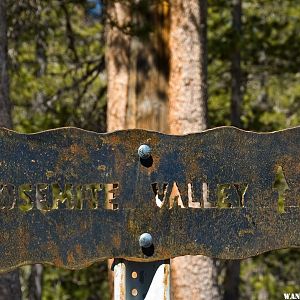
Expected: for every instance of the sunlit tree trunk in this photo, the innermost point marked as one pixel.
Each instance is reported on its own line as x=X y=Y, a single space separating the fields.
x=193 y=277
x=118 y=64
x=188 y=69
x=9 y=282
x=137 y=70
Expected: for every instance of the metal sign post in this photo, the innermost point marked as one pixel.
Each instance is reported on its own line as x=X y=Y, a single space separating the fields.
x=141 y=280
x=70 y=197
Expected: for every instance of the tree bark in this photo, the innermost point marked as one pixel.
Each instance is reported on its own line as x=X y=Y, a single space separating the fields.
x=236 y=72
x=137 y=71
x=193 y=277
x=118 y=64
x=137 y=68
x=5 y=106
x=188 y=68
x=10 y=288
x=232 y=280
x=35 y=282
x=232 y=273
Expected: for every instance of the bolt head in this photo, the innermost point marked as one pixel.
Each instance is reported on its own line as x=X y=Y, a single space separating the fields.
x=144 y=151
x=145 y=240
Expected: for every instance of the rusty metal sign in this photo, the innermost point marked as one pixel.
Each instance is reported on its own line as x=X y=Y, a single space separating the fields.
x=70 y=197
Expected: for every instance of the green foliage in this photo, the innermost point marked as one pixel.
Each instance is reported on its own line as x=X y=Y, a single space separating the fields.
x=270 y=62
x=86 y=284
x=57 y=79
x=57 y=66
x=271 y=87
x=270 y=275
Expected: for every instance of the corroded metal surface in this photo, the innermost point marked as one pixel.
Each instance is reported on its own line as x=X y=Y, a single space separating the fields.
x=69 y=197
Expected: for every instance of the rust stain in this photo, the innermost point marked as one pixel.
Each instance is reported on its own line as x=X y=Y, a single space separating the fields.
x=49 y=174
x=70 y=258
x=243 y=232
x=101 y=167
x=54 y=252
x=116 y=241
x=77 y=236
x=76 y=149
x=78 y=249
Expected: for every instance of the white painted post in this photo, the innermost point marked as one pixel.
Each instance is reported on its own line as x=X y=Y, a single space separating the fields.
x=141 y=280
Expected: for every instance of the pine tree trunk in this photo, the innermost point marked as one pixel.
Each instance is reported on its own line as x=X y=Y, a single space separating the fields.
x=5 y=107
x=232 y=280
x=188 y=69
x=118 y=63
x=137 y=72
x=232 y=274
x=117 y=66
x=9 y=282
x=36 y=273
x=35 y=282
x=236 y=72
x=137 y=69
x=193 y=277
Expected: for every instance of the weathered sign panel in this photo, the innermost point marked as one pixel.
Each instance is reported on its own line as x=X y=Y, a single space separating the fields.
x=69 y=197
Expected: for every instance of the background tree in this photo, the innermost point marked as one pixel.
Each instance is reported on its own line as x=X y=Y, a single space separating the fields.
x=232 y=275
x=9 y=283
x=195 y=276
x=137 y=67
x=236 y=72
x=5 y=106
x=57 y=61
x=270 y=102
x=56 y=69
x=137 y=64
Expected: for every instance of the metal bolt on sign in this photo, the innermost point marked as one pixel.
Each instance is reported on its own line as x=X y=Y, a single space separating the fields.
x=144 y=151
x=142 y=280
x=145 y=240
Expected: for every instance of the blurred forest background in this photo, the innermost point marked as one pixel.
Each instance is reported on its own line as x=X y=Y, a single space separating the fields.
x=58 y=56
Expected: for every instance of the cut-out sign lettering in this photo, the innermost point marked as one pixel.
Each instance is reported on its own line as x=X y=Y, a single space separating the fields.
x=70 y=197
